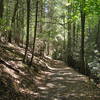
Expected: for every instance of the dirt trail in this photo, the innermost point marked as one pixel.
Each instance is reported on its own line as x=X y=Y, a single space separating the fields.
x=63 y=83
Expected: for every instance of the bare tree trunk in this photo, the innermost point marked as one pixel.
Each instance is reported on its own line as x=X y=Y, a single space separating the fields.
x=74 y=35
x=98 y=36
x=48 y=48
x=64 y=44
x=82 y=69
x=27 y=36
x=35 y=31
x=12 y=21
x=69 y=51
x=1 y=8
x=41 y=16
x=22 y=35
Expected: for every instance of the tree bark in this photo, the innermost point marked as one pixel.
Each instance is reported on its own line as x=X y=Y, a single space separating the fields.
x=12 y=21
x=28 y=25
x=98 y=36
x=1 y=8
x=69 y=51
x=64 y=43
x=35 y=31
x=82 y=69
x=74 y=35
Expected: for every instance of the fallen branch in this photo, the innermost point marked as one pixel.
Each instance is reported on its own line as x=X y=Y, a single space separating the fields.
x=7 y=65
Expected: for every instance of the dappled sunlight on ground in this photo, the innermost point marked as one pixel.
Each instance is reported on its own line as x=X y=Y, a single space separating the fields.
x=53 y=81
x=27 y=91
x=11 y=72
x=63 y=83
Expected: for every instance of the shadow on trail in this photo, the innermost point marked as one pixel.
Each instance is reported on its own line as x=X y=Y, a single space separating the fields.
x=63 y=83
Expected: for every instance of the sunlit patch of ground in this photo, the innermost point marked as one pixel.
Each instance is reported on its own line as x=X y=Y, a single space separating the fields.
x=63 y=83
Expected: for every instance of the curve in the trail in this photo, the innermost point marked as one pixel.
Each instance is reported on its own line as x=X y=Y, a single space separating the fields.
x=63 y=83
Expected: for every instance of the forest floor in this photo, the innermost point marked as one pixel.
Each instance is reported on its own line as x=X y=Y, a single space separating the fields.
x=52 y=80
x=64 y=83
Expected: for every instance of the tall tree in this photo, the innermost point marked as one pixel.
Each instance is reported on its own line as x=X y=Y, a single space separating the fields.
x=1 y=8
x=69 y=51
x=82 y=11
x=35 y=31
x=12 y=21
x=98 y=35
x=28 y=26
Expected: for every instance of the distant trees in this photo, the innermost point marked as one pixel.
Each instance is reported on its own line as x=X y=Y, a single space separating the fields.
x=12 y=21
x=81 y=33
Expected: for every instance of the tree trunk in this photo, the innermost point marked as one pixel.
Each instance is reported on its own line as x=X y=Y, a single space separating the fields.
x=64 y=43
x=41 y=16
x=12 y=21
x=98 y=36
x=35 y=31
x=69 y=51
x=27 y=36
x=1 y=8
x=82 y=69
x=74 y=33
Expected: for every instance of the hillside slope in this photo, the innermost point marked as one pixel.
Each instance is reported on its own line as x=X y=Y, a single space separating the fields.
x=18 y=81
x=47 y=79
